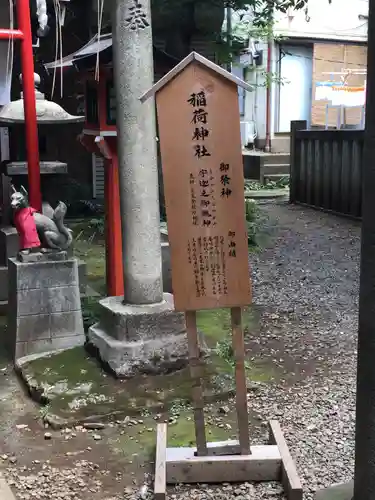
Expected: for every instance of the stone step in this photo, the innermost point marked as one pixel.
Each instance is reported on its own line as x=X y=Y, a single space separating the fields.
x=275 y=177
x=255 y=161
x=276 y=158
x=275 y=169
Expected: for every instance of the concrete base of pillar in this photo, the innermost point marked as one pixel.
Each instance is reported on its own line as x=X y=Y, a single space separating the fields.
x=342 y=491
x=134 y=339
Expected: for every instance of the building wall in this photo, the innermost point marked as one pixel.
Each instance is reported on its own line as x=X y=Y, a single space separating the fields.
x=329 y=57
x=294 y=92
x=339 y=20
x=343 y=25
x=5 y=57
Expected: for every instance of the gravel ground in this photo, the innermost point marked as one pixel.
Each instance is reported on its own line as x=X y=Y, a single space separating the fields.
x=310 y=275
x=306 y=285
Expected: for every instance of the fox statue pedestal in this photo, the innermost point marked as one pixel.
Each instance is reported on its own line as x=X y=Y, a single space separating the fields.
x=44 y=303
x=44 y=312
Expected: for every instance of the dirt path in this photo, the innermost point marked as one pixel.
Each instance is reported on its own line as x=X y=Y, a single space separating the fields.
x=305 y=284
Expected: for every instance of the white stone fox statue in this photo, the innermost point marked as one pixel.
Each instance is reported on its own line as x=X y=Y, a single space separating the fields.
x=52 y=232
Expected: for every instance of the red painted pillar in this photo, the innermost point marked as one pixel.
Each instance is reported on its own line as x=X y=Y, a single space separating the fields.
x=31 y=127
x=114 y=267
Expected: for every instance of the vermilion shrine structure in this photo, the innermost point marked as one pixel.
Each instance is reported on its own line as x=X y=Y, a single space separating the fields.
x=99 y=136
x=24 y=35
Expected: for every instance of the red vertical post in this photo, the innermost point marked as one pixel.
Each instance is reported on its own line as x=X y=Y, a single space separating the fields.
x=31 y=127
x=114 y=267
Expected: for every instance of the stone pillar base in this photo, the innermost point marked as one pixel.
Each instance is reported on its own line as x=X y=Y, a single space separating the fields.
x=135 y=339
x=44 y=311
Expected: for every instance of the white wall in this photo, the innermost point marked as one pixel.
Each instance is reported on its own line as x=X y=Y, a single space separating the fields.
x=295 y=89
x=336 y=21
x=5 y=59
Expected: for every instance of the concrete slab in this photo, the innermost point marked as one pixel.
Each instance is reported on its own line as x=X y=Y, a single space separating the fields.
x=342 y=491
x=135 y=339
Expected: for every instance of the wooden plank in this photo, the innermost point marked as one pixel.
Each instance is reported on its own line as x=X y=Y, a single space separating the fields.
x=194 y=57
x=5 y=491
x=204 y=193
x=295 y=158
x=240 y=376
x=160 y=485
x=195 y=374
x=309 y=172
x=356 y=179
x=346 y=167
x=327 y=174
x=336 y=176
x=317 y=178
x=289 y=474
x=301 y=187
x=263 y=464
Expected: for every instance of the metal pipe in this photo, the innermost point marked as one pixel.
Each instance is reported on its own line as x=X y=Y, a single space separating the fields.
x=31 y=127
x=229 y=37
x=268 y=90
x=11 y=34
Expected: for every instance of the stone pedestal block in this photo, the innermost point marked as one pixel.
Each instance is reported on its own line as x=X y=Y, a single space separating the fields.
x=9 y=248
x=44 y=312
x=140 y=339
x=9 y=244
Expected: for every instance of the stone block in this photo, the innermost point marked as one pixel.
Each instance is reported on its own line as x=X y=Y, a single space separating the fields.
x=140 y=339
x=45 y=300
x=166 y=267
x=153 y=356
x=47 y=345
x=65 y=324
x=44 y=310
x=42 y=274
x=9 y=244
x=33 y=327
x=3 y=283
x=133 y=323
x=39 y=256
x=82 y=273
x=48 y=326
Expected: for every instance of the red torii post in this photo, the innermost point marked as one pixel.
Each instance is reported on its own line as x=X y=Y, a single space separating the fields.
x=23 y=34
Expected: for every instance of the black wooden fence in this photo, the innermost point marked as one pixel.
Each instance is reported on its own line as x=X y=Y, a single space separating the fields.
x=326 y=169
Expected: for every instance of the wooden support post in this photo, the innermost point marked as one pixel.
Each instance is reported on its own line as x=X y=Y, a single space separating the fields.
x=160 y=487
x=195 y=373
x=289 y=475
x=241 y=391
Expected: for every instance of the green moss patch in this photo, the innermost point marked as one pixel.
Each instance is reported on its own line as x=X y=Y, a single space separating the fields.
x=73 y=386
x=140 y=439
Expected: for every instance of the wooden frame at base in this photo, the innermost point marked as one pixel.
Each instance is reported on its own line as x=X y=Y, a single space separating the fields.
x=271 y=462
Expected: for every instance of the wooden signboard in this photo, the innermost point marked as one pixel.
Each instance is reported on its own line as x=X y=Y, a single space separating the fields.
x=200 y=140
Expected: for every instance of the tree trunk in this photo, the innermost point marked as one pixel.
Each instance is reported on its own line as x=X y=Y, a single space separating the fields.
x=364 y=477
